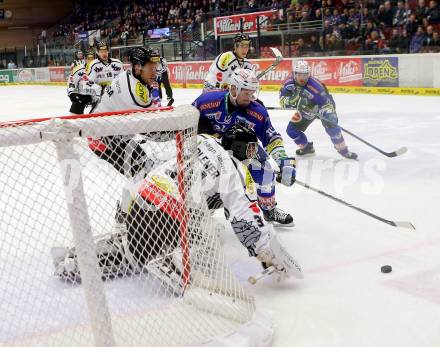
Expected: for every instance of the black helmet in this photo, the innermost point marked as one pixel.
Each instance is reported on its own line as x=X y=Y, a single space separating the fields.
x=240 y=37
x=142 y=55
x=90 y=53
x=101 y=45
x=241 y=141
x=77 y=53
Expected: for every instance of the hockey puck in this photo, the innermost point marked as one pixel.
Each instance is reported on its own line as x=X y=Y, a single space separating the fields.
x=386 y=269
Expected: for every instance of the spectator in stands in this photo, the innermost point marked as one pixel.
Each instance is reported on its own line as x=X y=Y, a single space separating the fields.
x=367 y=15
x=399 y=18
x=417 y=41
x=317 y=15
x=328 y=28
x=433 y=45
x=421 y=11
x=399 y=42
x=367 y=30
x=429 y=35
x=433 y=16
x=314 y=45
x=301 y=49
x=412 y=25
x=374 y=43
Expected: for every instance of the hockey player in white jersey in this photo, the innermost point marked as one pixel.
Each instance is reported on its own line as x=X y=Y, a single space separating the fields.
x=135 y=88
x=153 y=219
x=224 y=65
x=80 y=91
x=104 y=69
x=132 y=89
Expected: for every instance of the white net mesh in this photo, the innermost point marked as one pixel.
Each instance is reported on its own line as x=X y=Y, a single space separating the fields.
x=104 y=239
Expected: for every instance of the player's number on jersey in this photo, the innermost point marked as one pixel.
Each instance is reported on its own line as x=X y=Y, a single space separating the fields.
x=109 y=91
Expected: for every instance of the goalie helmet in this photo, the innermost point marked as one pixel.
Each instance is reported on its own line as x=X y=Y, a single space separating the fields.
x=301 y=72
x=241 y=141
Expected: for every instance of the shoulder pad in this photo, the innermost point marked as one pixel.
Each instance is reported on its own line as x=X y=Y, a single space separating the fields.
x=77 y=68
x=314 y=85
x=210 y=100
x=257 y=111
x=91 y=65
x=224 y=60
x=117 y=61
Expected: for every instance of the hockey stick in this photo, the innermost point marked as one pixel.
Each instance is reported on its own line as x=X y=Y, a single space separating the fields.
x=393 y=154
x=406 y=225
x=266 y=272
x=278 y=58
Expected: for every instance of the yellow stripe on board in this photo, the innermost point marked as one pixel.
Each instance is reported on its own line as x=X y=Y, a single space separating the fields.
x=343 y=90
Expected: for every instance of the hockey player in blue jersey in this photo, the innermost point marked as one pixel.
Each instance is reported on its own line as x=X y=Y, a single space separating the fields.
x=310 y=99
x=220 y=110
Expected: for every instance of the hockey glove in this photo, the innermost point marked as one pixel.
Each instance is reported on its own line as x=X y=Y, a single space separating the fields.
x=287 y=173
x=170 y=101
x=289 y=102
x=278 y=257
x=287 y=166
x=329 y=119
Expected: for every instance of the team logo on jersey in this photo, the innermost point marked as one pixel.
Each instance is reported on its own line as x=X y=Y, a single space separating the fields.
x=98 y=69
x=142 y=92
x=217 y=115
x=116 y=68
x=223 y=62
x=219 y=76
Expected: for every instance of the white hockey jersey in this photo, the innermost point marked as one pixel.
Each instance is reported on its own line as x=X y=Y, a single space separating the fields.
x=127 y=92
x=103 y=73
x=77 y=73
x=221 y=70
x=224 y=182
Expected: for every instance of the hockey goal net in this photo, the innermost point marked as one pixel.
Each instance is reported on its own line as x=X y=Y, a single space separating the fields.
x=105 y=239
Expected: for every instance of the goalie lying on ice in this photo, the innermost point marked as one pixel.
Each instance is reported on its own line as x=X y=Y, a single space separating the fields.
x=158 y=226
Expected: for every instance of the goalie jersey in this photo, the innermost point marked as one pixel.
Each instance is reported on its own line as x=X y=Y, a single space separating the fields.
x=224 y=182
x=221 y=70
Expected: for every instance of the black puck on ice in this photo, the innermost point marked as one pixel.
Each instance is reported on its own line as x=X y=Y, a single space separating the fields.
x=386 y=269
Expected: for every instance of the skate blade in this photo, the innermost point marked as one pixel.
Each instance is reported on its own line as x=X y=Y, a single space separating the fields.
x=308 y=155
x=279 y=225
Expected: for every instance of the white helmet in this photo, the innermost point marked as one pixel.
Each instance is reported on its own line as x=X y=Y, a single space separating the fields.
x=244 y=79
x=302 y=67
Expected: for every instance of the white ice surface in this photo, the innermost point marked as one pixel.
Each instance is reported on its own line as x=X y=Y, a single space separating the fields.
x=344 y=299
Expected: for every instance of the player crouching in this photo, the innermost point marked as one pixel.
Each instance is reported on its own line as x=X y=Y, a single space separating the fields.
x=310 y=99
x=154 y=240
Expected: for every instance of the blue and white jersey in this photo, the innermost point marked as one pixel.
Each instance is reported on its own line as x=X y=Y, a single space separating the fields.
x=311 y=100
x=213 y=107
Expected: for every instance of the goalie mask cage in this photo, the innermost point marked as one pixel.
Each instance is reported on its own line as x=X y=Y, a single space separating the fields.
x=59 y=191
